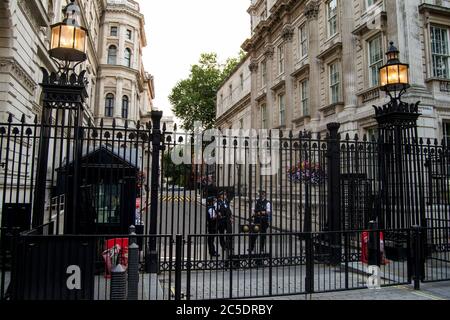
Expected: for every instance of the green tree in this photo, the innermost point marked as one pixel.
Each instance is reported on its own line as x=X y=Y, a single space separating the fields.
x=194 y=99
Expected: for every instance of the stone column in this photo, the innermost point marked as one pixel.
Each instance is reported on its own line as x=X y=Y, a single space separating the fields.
x=288 y=34
x=269 y=82
x=311 y=13
x=121 y=48
x=348 y=70
x=119 y=94
x=101 y=99
x=254 y=92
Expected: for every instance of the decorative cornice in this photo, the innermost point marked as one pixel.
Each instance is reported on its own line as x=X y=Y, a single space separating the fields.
x=312 y=10
x=11 y=66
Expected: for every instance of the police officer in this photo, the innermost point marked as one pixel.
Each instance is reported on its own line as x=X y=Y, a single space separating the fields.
x=212 y=220
x=225 y=220
x=261 y=218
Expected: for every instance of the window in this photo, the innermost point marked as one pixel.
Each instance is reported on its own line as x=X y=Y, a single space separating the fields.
x=109 y=105
x=264 y=117
x=440 y=52
x=372 y=133
x=446 y=126
x=112 y=55
x=263 y=74
x=114 y=32
x=304 y=97
x=375 y=60
x=332 y=17
x=335 y=81
x=282 y=108
x=281 y=59
x=107 y=203
x=303 y=41
x=125 y=104
x=242 y=81
x=370 y=3
x=129 y=34
x=128 y=58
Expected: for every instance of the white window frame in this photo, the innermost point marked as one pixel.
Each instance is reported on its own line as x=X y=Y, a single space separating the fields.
x=264 y=116
x=303 y=38
x=282 y=109
x=281 y=59
x=304 y=97
x=374 y=66
x=332 y=20
x=334 y=85
x=443 y=55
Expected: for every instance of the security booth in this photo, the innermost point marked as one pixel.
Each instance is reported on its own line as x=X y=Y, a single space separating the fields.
x=107 y=192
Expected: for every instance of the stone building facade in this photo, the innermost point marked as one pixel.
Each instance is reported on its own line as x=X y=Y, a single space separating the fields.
x=313 y=62
x=25 y=39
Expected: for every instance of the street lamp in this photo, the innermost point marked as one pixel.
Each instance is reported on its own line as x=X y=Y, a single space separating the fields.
x=394 y=75
x=64 y=92
x=68 y=41
x=397 y=128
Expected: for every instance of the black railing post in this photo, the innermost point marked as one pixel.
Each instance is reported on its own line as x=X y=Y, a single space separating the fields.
x=309 y=280
x=156 y=148
x=188 y=267
x=178 y=266
x=417 y=256
x=334 y=191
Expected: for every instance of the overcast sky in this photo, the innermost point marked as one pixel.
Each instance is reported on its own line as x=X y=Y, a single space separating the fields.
x=179 y=30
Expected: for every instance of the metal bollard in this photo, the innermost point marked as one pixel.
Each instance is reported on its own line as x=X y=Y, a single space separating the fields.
x=118 y=283
x=133 y=271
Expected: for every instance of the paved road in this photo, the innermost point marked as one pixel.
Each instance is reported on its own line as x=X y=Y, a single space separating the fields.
x=429 y=291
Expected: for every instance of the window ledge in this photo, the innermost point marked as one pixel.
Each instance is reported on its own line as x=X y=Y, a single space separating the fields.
x=370 y=94
x=444 y=84
x=301 y=119
x=332 y=108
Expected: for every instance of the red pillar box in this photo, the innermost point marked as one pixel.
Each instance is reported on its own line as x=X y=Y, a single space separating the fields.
x=365 y=248
x=116 y=253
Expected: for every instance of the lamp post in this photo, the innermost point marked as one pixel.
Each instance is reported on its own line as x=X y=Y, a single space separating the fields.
x=64 y=94
x=397 y=123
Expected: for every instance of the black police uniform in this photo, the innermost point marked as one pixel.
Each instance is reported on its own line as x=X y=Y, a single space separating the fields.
x=212 y=224
x=224 y=223
x=263 y=221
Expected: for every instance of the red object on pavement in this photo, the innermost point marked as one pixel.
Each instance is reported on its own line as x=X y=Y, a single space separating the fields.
x=116 y=253
x=365 y=248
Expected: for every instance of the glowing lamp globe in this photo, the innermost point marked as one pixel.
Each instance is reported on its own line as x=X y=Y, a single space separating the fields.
x=394 y=75
x=68 y=41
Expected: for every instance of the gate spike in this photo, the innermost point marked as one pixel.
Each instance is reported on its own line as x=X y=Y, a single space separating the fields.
x=101 y=123
x=436 y=143
x=164 y=128
x=10 y=118
x=428 y=141
x=126 y=124
x=175 y=127
x=356 y=137
x=347 y=137
x=421 y=141
x=114 y=123
x=22 y=119
x=365 y=137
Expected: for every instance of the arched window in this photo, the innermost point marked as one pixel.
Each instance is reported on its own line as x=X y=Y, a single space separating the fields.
x=125 y=105
x=109 y=105
x=128 y=58
x=112 y=55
